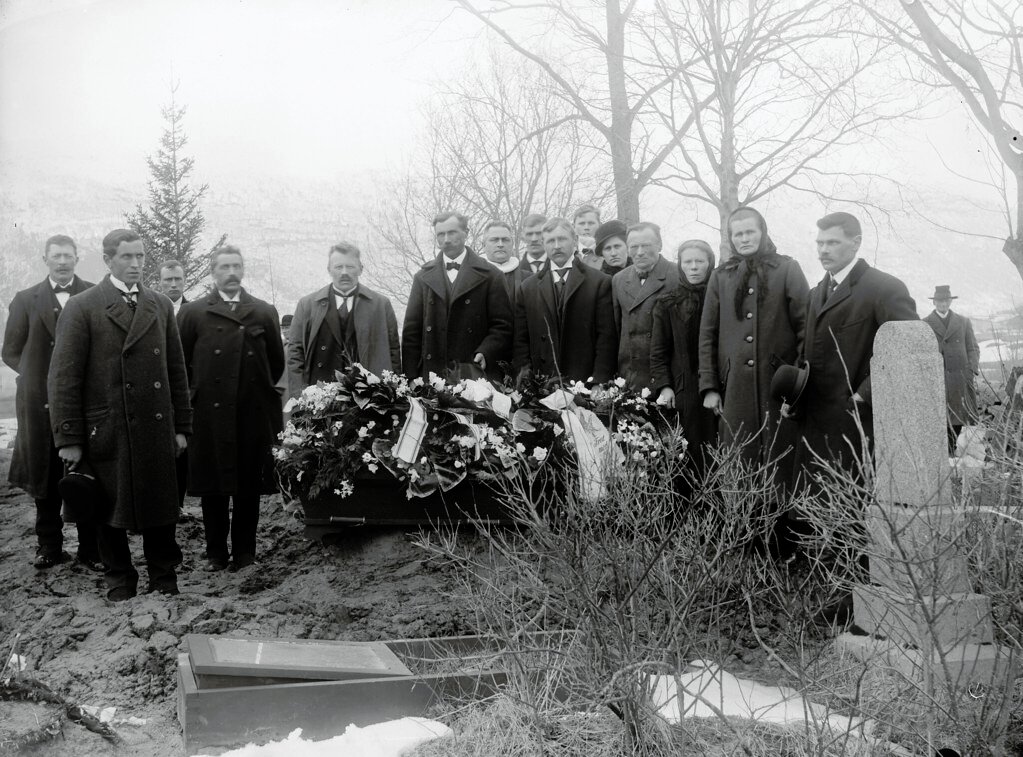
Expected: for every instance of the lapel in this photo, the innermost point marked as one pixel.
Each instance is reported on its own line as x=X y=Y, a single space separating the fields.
x=545 y=283
x=435 y=277
x=333 y=318
x=844 y=290
x=216 y=305
x=475 y=270
x=576 y=277
x=654 y=282
x=145 y=315
x=46 y=306
x=361 y=317
x=940 y=325
x=321 y=301
x=117 y=309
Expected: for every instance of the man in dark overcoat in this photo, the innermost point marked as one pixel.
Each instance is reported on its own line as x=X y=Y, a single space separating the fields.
x=173 y=285
x=233 y=351
x=961 y=354
x=28 y=347
x=634 y=292
x=564 y=323
x=497 y=249
x=345 y=322
x=458 y=310
x=119 y=409
x=844 y=312
x=533 y=257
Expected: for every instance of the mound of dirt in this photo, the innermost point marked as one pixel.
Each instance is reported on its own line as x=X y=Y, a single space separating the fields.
x=368 y=585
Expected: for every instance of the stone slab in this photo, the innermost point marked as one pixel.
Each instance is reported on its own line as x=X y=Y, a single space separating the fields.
x=943 y=621
x=969 y=664
x=916 y=549
x=907 y=379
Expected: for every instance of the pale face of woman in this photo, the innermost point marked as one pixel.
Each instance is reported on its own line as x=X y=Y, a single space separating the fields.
x=746 y=234
x=615 y=252
x=694 y=264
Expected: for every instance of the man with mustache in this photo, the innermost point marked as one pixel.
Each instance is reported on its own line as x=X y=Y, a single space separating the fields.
x=233 y=351
x=345 y=322
x=534 y=257
x=458 y=313
x=28 y=348
x=120 y=412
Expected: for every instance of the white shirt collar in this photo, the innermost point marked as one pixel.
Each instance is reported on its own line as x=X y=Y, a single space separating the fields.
x=122 y=286
x=227 y=298
x=840 y=276
x=541 y=260
x=507 y=266
x=54 y=284
x=460 y=259
x=942 y=317
x=176 y=304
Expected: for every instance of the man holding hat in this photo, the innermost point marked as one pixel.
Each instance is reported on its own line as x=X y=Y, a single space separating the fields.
x=961 y=354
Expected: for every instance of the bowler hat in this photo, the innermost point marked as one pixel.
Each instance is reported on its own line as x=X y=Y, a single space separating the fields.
x=606 y=231
x=943 y=292
x=788 y=383
x=81 y=492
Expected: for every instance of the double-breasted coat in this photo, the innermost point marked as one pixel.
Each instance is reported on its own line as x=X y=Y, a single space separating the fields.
x=634 y=317
x=739 y=355
x=838 y=345
x=376 y=334
x=577 y=341
x=234 y=360
x=28 y=347
x=447 y=323
x=961 y=353
x=117 y=387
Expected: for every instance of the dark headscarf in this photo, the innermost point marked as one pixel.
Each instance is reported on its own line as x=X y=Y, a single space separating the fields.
x=687 y=300
x=611 y=270
x=750 y=264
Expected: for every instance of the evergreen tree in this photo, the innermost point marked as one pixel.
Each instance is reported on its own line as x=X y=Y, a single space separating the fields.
x=171 y=225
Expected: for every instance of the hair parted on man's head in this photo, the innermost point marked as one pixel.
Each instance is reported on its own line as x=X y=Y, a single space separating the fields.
x=647 y=226
x=224 y=249
x=60 y=239
x=849 y=223
x=554 y=223
x=463 y=221
x=583 y=210
x=114 y=239
x=169 y=264
x=495 y=224
x=533 y=219
x=345 y=248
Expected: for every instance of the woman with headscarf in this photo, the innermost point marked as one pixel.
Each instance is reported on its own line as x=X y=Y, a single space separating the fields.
x=753 y=321
x=674 y=348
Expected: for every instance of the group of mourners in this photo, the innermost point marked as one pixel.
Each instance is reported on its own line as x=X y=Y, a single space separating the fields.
x=129 y=396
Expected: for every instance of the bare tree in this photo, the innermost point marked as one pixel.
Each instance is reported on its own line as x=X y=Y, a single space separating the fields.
x=777 y=89
x=488 y=151
x=974 y=49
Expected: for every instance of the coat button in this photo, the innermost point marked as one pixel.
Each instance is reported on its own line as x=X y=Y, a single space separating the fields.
x=127 y=385
x=323 y=347
x=749 y=291
x=157 y=384
x=429 y=356
x=65 y=425
x=750 y=362
x=251 y=353
x=319 y=365
x=749 y=338
x=467 y=300
x=429 y=328
x=216 y=404
x=46 y=406
x=749 y=316
x=217 y=352
x=51 y=344
x=159 y=416
x=156 y=351
x=241 y=328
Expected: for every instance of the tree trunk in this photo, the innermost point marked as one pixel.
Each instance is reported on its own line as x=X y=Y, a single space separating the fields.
x=620 y=138
x=1013 y=247
x=727 y=180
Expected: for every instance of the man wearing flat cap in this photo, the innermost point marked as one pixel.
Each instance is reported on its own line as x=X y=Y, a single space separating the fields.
x=961 y=354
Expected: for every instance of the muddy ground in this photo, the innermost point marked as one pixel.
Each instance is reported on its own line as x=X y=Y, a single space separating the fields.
x=367 y=586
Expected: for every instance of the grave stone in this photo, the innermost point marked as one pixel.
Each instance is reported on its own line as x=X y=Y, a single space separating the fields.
x=918 y=608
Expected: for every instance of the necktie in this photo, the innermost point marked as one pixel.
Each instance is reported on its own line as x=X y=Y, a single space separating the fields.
x=830 y=288
x=233 y=305
x=342 y=311
x=129 y=298
x=559 y=284
x=537 y=265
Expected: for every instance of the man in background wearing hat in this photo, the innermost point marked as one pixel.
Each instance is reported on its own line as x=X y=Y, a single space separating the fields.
x=497 y=249
x=611 y=247
x=564 y=320
x=961 y=354
x=28 y=348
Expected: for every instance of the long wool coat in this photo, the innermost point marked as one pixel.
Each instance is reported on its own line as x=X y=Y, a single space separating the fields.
x=449 y=323
x=28 y=347
x=674 y=361
x=839 y=344
x=376 y=334
x=634 y=316
x=738 y=357
x=578 y=343
x=961 y=354
x=118 y=388
x=234 y=360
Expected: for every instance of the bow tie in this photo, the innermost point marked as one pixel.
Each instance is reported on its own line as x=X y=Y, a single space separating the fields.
x=58 y=289
x=452 y=266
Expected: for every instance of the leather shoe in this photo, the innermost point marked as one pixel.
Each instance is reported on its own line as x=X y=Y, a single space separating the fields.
x=121 y=593
x=90 y=563
x=45 y=560
x=242 y=561
x=169 y=590
x=215 y=564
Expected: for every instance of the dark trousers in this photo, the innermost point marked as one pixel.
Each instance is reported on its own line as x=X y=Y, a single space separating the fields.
x=218 y=521
x=181 y=469
x=159 y=547
x=49 y=524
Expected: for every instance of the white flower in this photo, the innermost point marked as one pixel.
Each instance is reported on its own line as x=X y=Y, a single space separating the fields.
x=436 y=381
x=645 y=393
x=372 y=467
x=367 y=457
x=363 y=432
x=299 y=476
x=290 y=404
x=466 y=441
x=539 y=454
x=337 y=492
x=478 y=390
x=520 y=448
x=458 y=464
x=620 y=382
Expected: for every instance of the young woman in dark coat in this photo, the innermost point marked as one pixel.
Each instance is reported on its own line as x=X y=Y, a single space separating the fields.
x=611 y=248
x=674 y=348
